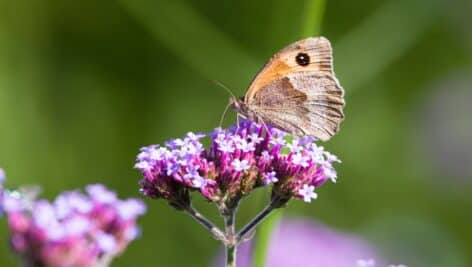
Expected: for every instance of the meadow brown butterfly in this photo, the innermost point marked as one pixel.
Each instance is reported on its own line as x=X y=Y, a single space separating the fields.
x=296 y=91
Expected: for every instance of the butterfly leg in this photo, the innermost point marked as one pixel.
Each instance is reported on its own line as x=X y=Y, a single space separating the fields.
x=265 y=126
x=237 y=120
x=239 y=115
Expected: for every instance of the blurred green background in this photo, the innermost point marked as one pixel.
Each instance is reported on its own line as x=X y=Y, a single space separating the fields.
x=84 y=84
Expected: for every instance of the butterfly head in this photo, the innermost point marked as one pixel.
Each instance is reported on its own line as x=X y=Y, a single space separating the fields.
x=240 y=106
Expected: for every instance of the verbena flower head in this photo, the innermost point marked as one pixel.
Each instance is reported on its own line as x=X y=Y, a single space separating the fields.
x=76 y=230
x=238 y=160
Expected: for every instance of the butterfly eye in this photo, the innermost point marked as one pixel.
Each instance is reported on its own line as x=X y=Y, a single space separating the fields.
x=302 y=59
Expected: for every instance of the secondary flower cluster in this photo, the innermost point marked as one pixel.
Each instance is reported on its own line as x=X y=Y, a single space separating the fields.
x=76 y=230
x=238 y=159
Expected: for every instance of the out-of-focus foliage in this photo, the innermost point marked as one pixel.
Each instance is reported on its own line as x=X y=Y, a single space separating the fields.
x=84 y=84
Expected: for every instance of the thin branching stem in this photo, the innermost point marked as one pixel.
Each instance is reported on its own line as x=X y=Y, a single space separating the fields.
x=231 y=245
x=216 y=232
x=249 y=228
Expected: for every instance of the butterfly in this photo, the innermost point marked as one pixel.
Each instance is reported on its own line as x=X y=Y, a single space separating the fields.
x=296 y=91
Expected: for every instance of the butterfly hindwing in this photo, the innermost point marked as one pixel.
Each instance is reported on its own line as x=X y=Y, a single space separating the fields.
x=304 y=103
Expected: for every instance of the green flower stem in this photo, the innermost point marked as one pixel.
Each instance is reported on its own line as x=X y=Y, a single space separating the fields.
x=231 y=256
x=248 y=229
x=313 y=16
x=231 y=244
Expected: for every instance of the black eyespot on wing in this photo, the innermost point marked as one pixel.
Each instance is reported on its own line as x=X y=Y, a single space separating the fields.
x=302 y=59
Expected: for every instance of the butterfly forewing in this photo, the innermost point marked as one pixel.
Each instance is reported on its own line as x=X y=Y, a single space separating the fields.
x=297 y=91
x=284 y=62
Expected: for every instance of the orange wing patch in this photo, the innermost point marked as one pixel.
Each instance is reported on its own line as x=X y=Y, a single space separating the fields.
x=318 y=50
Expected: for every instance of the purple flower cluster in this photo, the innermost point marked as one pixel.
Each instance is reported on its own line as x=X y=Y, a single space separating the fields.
x=76 y=230
x=239 y=159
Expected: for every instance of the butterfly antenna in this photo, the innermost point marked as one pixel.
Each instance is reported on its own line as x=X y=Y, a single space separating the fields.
x=223 y=116
x=224 y=87
x=220 y=84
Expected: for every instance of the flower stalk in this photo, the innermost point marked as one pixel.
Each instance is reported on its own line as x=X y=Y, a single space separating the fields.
x=247 y=231
x=210 y=226
x=231 y=244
